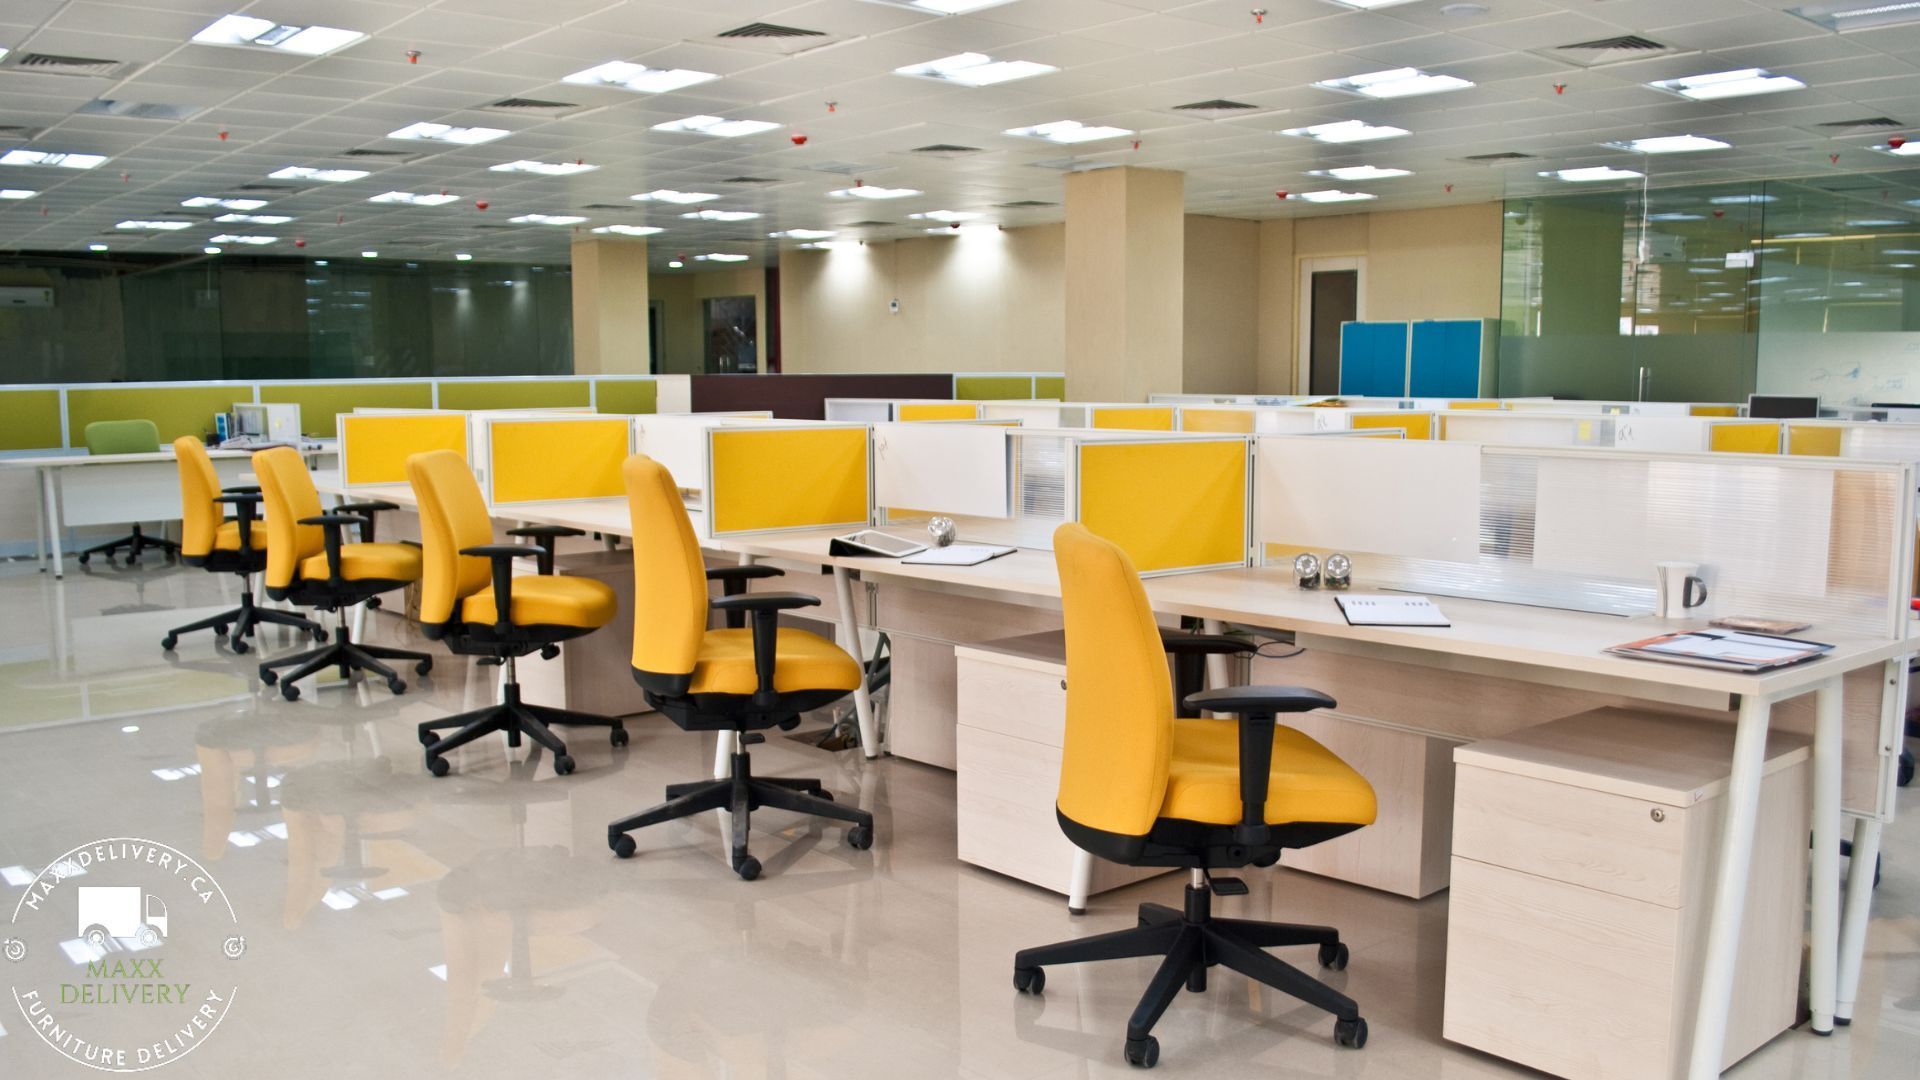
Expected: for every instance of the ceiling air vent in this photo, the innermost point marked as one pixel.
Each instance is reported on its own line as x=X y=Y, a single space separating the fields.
x=1072 y=164
x=1864 y=122
x=870 y=225
x=1216 y=105
x=139 y=110
x=750 y=180
x=268 y=187
x=49 y=64
x=605 y=206
x=1023 y=204
x=1603 y=51
x=521 y=106
x=17 y=131
x=769 y=30
x=490 y=226
x=366 y=152
x=946 y=150
x=774 y=38
x=1500 y=158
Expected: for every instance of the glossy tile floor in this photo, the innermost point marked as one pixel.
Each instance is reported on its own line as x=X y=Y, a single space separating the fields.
x=477 y=926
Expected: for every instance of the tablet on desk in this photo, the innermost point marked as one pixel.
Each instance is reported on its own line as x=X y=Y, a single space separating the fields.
x=874 y=542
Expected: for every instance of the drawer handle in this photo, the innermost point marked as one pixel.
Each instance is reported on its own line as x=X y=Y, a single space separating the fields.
x=1658 y=814
x=1063 y=684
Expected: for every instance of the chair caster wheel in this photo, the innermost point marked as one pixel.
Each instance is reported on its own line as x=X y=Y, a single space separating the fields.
x=220 y=631
x=1350 y=1033
x=562 y=764
x=860 y=837
x=619 y=737
x=83 y=559
x=423 y=667
x=622 y=845
x=428 y=738
x=1029 y=980
x=397 y=685
x=1334 y=957
x=438 y=766
x=269 y=676
x=1143 y=1053
x=238 y=645
x=167 y=643
x=289 y=691
x=320 y=634
x=747 y=867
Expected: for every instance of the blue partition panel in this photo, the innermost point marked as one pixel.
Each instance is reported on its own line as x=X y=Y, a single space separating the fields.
x=1446 y=358
x=1373 y=359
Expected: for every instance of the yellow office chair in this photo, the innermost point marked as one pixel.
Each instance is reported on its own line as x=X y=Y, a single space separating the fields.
x=477 y=612
x=309 y=563
x=232 y=546
x=739 y=680
x=1141 y=788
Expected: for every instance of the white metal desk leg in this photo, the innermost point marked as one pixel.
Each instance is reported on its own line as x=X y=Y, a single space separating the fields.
x=1853 y=928
x=1730 y=888
x=52 y=504
x=1822 y=966
x=850 y=627
x=40 y=532
x=1081 y=883
x=1217 y=675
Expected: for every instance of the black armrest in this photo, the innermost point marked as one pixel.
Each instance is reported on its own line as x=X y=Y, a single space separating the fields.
x=766 y=608
x=502 y=551
x=1256 y=706
x=333 y=523
x=733 y=581
x=366 y=510
x=241 y=489
x=764 y=601
x=239 y=499
x=243 y=500
x=549 y=532
x=503 y=556
x=1182 y=642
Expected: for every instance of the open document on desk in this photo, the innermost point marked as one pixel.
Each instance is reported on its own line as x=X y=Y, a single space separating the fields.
x=1724 y=650
x=957 y=555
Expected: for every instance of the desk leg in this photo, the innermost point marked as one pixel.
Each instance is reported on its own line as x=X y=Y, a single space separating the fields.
x=1822 y=966
x=1730 y=888
x=40 y=531
x=1081 y=883
x=1853 y=929
x=850 y=627
x=1217 y=674
x=52 y=504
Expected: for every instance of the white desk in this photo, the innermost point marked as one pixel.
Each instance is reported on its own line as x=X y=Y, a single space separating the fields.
x=1563 y=648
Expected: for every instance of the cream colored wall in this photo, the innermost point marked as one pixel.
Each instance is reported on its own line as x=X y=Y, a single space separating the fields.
x=683 y=333
x=1221 y=323
x=981 y=300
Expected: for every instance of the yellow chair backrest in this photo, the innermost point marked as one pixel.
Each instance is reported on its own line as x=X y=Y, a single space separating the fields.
x=1113 y=766
x=199 y=484
x=669 y=577
x=453 y=517
x=288 y=495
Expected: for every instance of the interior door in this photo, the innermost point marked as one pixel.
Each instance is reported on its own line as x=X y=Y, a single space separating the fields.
x=1334 y=298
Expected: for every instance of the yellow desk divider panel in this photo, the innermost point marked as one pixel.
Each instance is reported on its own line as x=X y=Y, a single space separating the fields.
x=1172 y=505
x=1753 y=437
x=374 y=448
x=175 y=410
x=1131 y=418
x=1814 y=440
x=1713 y=410
x=514 y=393
x=626 y=396
x=936 y=410
x=992 y=388
x=1050 y=387
x=548 y=460
x=1224 y=421
x=1477 y=403
x=1417 y=425
x=320 y=402
x=761 y=479
x=30 y=420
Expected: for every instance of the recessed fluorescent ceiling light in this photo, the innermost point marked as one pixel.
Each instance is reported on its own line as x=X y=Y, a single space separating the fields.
x=869 y=191
x=1330 y=195
x=199 y=201
x=461 y=256
x=411 y=199
x=545 y=168
x=447 y=133
x=669 y=195
x=211 y=250
x=802 y=234
x=945 y=7
x=1903 y=150
x=1592 y=173
x=96 y=247
x=547 y=219
x=630 y=230
x=267 y=34
x=1395 y=83
x=975 y=69
x=331 y=176
x=1875 y=223
x=720 y=257
x=51 y=158
x=1726 y=84
x=716 y=126
x=1668 y=144
x=639 y=77
x=1360 y=172
x=17 y=193
x=947 y=215
x=229 y=238
x=1346 y=131
x=721 y=215
x=153 y=226
x=253 y=219
x=1068 y=131
x=1742 y=200
x=1844 y=17
x=1369 y=5
x=1675 y=217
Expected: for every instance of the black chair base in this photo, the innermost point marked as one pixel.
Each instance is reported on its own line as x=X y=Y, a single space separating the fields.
x=242 y=620
x=516 y=718
x=135 y=543
x=740 y=795
x=347 y=655
x=1193 y=941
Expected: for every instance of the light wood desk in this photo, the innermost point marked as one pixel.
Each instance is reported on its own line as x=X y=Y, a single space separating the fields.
x=1552 y=647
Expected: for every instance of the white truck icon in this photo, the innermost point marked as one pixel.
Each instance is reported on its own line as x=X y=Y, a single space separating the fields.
x=114 y=911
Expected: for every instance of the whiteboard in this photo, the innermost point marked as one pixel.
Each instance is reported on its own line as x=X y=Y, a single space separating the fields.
x=962 y=469
x=1843 y=368
x=1416 y=499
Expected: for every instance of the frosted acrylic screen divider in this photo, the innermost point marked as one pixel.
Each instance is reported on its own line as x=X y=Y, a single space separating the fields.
x=1040 y=414
x=962 y=469
x=1414 y=498
x=679 y=441
x=1684 y=434
x=859 y=410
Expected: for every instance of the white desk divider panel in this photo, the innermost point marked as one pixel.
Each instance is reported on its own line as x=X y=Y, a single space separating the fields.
x=1040 y=414
x=962 y=469
x=861 y=410
x=680 y=443
x=1417 y=499
x=1684 y=434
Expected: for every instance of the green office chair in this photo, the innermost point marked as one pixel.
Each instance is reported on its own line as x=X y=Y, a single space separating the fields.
x=126 y=437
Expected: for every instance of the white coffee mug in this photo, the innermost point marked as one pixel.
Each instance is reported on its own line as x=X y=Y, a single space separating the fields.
x=1679 y=588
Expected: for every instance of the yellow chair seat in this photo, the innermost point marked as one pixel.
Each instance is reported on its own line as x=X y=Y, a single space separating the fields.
x=804 y=662
x=1308 y=782
x=360 y=562
x=547 y=601
x=227 y=536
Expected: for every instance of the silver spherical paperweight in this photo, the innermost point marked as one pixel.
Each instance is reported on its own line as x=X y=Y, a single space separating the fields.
x=1306 y=570
x=1339 y=571
x=942 y=530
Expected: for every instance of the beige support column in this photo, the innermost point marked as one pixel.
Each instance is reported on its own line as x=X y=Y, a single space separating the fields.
x=610 y=307
x=1126 y=238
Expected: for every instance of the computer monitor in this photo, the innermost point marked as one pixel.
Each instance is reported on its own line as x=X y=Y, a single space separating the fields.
x=250 y=419
x=1782 y=407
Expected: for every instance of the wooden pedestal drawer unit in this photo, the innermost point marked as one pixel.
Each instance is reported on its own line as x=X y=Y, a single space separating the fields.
x=1012 y=719
x=1584 y=853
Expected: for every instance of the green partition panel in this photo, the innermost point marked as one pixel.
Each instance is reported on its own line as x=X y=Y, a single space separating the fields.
x=29 y=420
x=514 y=394
x=1050 y=386
x=175 y=410
x=320 y=402
x=626 y=395
x=992 y=387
